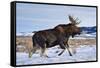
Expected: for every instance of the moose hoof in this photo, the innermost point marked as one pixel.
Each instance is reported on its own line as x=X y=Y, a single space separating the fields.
x=30 y=55
x=46 y=56
x=59 y=54
x=70 y=54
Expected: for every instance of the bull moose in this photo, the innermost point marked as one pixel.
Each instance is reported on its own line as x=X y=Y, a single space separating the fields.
x=58 y=35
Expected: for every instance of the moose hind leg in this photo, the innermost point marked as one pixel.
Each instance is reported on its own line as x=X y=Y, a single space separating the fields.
x=43 y=51
x=31 y=52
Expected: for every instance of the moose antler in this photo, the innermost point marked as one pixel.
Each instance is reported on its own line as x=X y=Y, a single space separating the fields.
x=74 y=20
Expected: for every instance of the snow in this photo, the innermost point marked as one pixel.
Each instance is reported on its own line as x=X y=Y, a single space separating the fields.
x=25 y=34
x=85 y=36
x=83 y=53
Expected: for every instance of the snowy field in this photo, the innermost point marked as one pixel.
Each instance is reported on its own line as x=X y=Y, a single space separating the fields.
x=82 y=53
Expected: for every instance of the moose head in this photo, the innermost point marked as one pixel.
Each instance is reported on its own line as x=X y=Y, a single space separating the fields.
x=72 y=28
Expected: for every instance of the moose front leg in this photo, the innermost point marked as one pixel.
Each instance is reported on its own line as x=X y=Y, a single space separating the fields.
x=61 y=52
x=65 y=47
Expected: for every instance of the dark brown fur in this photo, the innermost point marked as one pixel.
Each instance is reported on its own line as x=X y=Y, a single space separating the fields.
x=59 y=35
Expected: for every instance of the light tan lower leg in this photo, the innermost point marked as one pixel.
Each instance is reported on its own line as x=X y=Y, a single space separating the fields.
x=43 y=51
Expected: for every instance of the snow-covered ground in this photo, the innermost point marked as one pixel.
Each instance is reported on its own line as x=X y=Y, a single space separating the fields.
x=83 y=53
